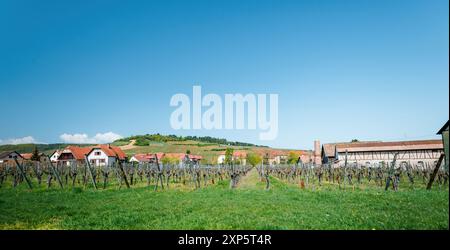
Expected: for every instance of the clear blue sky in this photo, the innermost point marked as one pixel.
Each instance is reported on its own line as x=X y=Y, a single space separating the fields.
x=372 y=70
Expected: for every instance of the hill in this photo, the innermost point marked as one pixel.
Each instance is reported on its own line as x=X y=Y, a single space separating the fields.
x=208 y=147
x=145 y=140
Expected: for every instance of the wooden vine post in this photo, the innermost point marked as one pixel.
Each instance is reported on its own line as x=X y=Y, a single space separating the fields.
x=22 y=172
x=435 y=171
x=345 y=168
x=35 y=168
x=90 y=171
x=265 y=171
x=122 y=171
x=266 y=175
x=391 y=172
x=55 y=172
x=159 y=178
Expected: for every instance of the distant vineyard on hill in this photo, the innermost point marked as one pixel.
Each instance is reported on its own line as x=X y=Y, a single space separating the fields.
x=158 y=142
x=145 y=140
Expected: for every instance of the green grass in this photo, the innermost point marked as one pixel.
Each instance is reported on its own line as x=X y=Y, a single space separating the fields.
x=284 y=206
x=120 y=143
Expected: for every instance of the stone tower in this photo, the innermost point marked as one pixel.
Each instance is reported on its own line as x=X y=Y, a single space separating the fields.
x=317 y=153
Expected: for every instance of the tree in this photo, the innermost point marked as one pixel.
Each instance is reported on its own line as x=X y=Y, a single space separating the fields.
x=141 y=141
x=253 y=159
x=35 y=156
x=229 y=156
x=265 y=159
x=355 y=140
x=205 y=161
x=170 y=160
x=293 y=157
x=188 y=152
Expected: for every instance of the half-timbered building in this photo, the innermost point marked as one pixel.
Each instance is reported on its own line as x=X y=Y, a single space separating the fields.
x=420 y=152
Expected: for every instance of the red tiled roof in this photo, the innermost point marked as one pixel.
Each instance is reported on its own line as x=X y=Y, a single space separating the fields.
x=272 y=153
x=278 y=153
x=306 y=152
x=329 y=149
x=27 y=156
x=118 y=152
x=144 y=157
x=78 y=152
x=111 y=151
x=159 y=155
x=174 y=155
x=195 y=157
x=240 y=154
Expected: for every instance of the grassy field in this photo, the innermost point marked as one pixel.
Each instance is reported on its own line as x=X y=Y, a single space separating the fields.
x=284 y=206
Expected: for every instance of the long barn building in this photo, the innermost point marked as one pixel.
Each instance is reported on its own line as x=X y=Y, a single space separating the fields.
x=417 y=153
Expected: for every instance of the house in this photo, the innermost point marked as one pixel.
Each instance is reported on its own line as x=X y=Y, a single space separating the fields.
x=273 y=156
x=8 y=156
x=143 y=158
x=419 y=152
x=73 y=155
x=278 y=157
x=54 y=156
x=238 y=156
x=195 y=158
x=307 y=156
x=221 y=159
x=444 y=132
x=28 y=156
x=105 y=155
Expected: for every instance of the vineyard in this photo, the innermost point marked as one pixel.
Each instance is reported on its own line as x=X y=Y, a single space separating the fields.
x=42 y=195
x=153 y=175
x=192 y=175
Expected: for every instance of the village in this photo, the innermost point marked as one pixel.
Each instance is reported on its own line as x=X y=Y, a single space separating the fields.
x=418 y=153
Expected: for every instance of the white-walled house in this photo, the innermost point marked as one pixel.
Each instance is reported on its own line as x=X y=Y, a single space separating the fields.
x=54 y=156
x=221 y=159
x=105 y=155
x=240 y=156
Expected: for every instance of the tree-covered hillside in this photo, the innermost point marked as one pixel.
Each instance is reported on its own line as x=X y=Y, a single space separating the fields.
x=28 y=148
x=144 y=140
